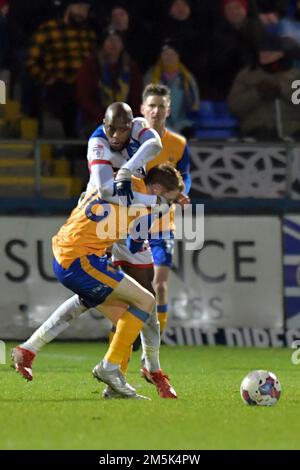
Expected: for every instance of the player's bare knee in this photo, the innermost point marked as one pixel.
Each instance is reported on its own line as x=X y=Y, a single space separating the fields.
x=150 y=302
x=147 y=302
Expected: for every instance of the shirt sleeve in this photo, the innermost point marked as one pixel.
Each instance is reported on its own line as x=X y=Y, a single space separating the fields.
x=100 y=166
x=183 y=166
x=150 y=145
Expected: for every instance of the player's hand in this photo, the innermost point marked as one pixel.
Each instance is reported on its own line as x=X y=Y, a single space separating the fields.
x=183 y=199
x=122 y=185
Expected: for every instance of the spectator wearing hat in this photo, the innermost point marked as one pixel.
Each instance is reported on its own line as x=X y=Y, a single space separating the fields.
x=107 y=75
x=261 y=95
x=56 y=53
x=170 y=71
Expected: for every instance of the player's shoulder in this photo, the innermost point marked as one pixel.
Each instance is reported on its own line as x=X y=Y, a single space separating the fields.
x=175 y=137
x=138 y=125
x=98 y=132
x=98 y=146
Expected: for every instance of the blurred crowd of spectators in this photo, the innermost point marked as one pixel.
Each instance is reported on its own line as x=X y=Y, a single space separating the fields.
x=75 y=57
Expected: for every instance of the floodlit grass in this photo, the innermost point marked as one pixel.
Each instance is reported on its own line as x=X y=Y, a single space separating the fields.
x=63 y=408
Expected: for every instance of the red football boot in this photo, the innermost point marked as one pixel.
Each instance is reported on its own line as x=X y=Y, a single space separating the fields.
x=22 y=359
x=161 y=382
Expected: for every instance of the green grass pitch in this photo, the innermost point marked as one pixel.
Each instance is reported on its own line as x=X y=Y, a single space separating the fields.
x=63 y=408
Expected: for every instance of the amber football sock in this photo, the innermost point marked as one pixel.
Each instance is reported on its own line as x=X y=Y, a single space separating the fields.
x=124 y=364
x=162 y=315
x=127 y=329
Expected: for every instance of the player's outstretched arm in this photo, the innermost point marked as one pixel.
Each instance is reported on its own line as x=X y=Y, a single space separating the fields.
x=150 y=146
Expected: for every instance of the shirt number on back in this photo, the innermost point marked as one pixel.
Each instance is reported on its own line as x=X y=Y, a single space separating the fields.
x=90 y=214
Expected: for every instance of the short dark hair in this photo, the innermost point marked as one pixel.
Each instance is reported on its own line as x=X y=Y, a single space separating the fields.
x=166 y=175
x=156 y=89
